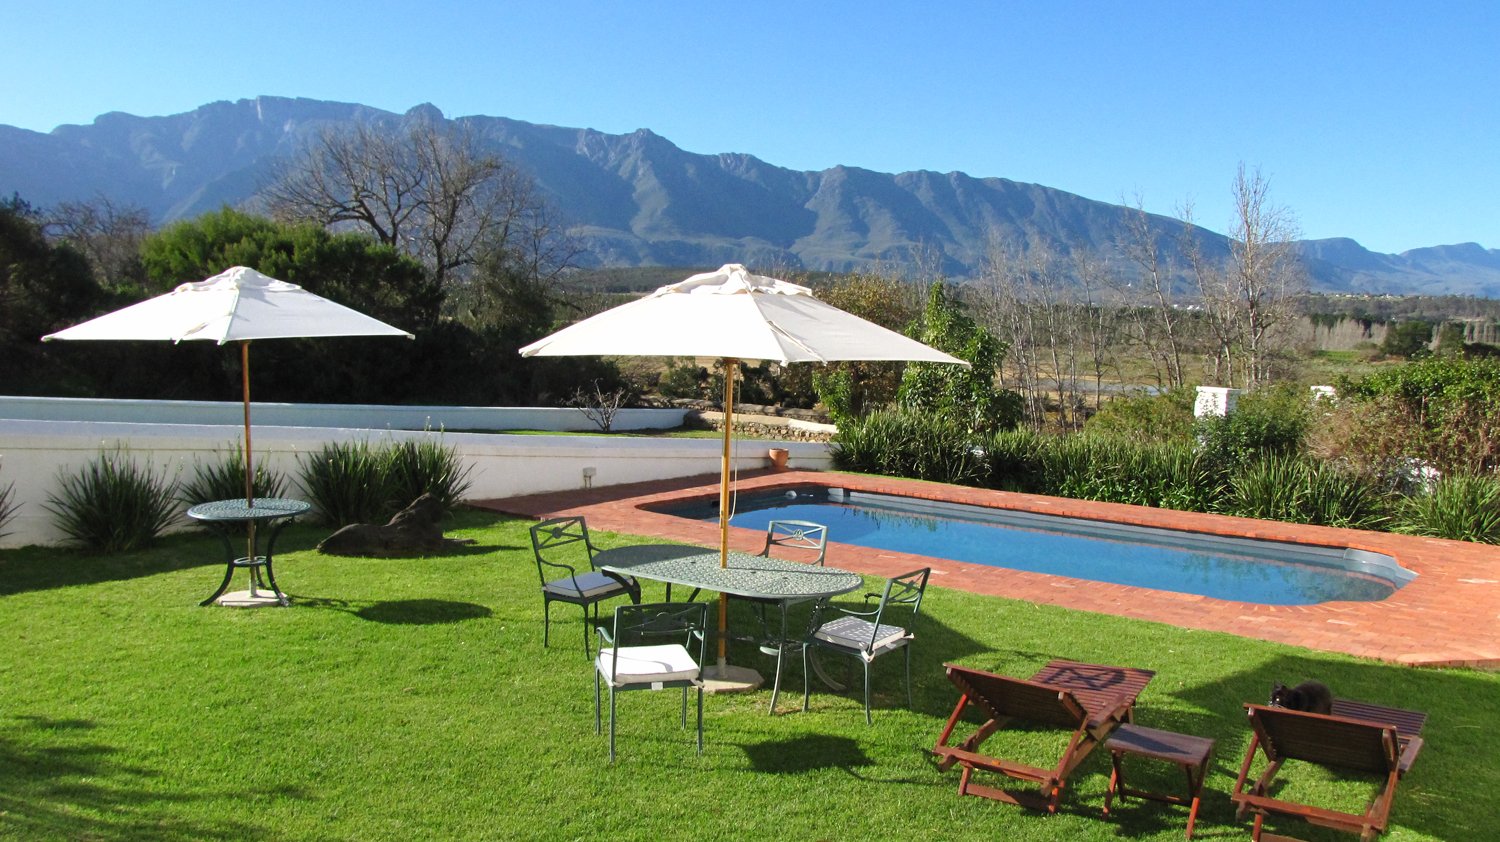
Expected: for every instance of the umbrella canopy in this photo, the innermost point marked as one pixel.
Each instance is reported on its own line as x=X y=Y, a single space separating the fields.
x=736 y=315
x=237 y=305
x=733 y=315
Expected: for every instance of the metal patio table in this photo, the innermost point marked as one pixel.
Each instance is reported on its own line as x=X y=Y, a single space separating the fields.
x=746 y=575
x=223 y=515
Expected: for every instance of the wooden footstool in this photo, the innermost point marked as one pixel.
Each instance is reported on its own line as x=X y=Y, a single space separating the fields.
x=1189 y=752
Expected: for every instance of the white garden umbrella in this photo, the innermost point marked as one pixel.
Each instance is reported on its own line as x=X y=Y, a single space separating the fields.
x=733 y=315
x=238 y=305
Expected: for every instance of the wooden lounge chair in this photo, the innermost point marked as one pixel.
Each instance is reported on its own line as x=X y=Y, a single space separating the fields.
x=1358 y=737
x=1091 y=700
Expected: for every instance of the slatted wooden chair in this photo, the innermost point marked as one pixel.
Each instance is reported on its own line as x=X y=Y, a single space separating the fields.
x=1378 y=741
x=1090 y=700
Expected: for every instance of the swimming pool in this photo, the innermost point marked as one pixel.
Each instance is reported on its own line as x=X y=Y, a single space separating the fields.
x=1240 y=569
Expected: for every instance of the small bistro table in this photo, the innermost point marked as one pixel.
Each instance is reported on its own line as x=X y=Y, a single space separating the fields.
x=223 y=515
x=745 y=575
x=1187 y=751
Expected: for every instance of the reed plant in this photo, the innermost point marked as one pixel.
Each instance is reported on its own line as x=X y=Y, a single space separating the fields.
x=113 y=504
x=921 y=445
x=8 y=507
x=1300 y=490
x=425 y=466
x=1461 y=507
x=346 y=482
x=224 y=479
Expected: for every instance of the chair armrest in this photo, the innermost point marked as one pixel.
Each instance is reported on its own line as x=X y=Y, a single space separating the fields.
x=572 y=571
x=604 y=635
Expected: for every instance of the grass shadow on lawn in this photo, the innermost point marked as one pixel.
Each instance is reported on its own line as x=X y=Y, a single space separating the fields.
x=58 y=779
x=38 y=568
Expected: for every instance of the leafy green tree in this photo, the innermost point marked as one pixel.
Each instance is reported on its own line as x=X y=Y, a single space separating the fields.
x=1443 y=410
x=850 y=390
x=43 y=287
x=966 y=393
x=1407 y=339
x=1450 y=339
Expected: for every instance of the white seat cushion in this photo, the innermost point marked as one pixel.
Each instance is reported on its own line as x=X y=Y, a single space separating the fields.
x=589 y=584
x=854 y=633
x=647 y=664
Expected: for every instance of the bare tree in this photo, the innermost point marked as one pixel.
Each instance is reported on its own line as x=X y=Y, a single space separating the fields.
x=1149 y=302
x=1214 y=298
x=430 y=191
x=1250 y=299
x=1265 y=271
x=1046 y=309
x=108 y=234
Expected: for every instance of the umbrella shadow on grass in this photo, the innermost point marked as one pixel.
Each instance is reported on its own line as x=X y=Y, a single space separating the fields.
x=402 y=612
x=807 y=753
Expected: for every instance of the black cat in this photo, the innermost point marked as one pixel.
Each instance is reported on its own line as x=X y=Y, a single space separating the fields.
x=1310 y=696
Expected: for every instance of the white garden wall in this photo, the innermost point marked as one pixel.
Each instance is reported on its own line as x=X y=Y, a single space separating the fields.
x=33 y=453
x=349 y=416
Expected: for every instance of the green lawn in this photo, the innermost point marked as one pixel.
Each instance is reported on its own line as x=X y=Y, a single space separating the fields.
x=412 y=699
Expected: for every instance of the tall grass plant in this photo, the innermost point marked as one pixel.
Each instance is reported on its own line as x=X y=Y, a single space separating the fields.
x=224 y=479
x=1464 y=508
x=114 y=504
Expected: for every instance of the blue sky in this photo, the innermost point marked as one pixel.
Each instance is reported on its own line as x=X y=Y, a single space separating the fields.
x=1373 y=120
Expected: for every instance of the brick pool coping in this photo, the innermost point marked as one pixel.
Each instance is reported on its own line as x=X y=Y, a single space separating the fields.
x=1449 y=616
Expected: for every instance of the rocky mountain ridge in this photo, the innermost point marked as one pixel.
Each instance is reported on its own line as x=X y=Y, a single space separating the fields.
x=637 y=199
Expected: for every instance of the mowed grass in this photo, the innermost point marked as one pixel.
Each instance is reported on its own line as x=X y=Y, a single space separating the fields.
x=412 y=699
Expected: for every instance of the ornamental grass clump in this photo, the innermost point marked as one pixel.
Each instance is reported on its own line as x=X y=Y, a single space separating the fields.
x=1461 y=507
x=113 y=504
x=8 y=507
x=1299 y=490
x=224 y=479
x=920 y=445
x=346 y=482
x=425 y=466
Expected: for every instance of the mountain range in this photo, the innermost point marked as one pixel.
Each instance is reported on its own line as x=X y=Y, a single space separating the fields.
x=638 y=200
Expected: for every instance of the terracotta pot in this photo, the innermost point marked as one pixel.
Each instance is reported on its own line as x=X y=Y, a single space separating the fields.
x=778 y=456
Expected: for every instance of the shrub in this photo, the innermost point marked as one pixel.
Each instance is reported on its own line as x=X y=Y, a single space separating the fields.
x=1464 y=508
x=414 y=468
x=1268 y=422
x=1146 y=417
x=1120 y=471
x=346 y=482
x=911 y=444
x=8 y=507
x=225 y=480
x=113 y=504
x=687 y=380
x=1445 y=411
x=1012 y=460
x=1300 y=490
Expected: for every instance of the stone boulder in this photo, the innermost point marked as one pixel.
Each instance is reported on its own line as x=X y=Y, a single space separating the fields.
x=415 y=530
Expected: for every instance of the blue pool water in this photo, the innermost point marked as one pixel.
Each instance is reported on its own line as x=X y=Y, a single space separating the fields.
x=1241 y=569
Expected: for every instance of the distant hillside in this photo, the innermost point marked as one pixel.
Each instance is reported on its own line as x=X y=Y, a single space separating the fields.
x=638 y=200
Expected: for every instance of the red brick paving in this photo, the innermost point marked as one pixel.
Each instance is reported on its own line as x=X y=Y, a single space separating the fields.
x=1448 y=616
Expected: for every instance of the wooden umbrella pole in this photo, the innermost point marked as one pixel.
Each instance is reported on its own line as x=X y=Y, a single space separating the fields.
x=245 y=384
x=249 y=469
x=724 y=477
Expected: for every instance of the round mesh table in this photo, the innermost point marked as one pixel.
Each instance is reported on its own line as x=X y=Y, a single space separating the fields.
x=224 y=516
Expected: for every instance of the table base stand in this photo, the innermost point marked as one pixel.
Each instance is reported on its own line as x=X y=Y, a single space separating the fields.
x=266 y=515
x=257 y=595
x=723 y=678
